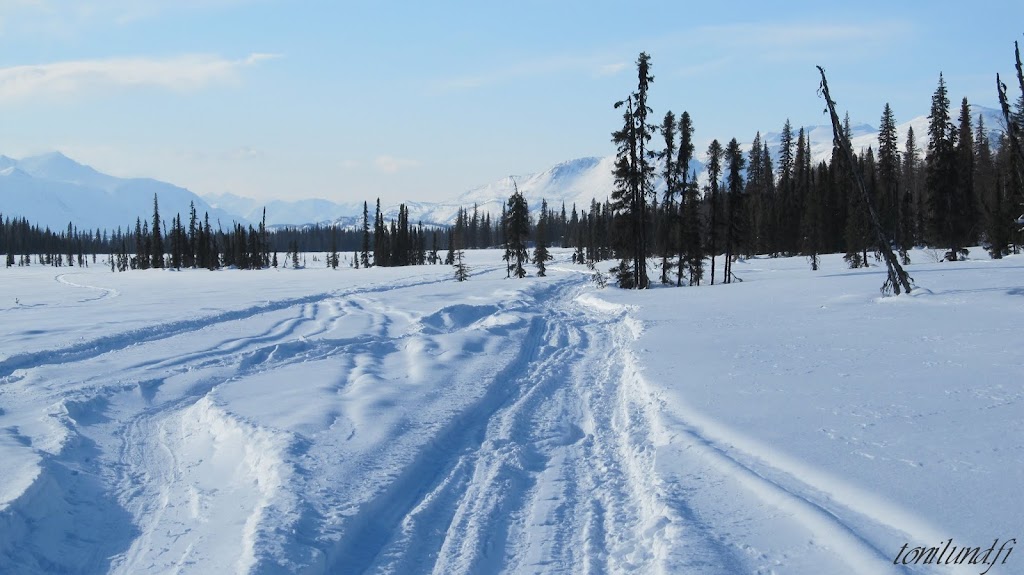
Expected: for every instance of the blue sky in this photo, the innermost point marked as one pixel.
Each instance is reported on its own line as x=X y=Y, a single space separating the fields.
x=424 y=100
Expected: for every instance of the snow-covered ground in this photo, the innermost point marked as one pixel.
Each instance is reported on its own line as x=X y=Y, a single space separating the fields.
x=395 y=421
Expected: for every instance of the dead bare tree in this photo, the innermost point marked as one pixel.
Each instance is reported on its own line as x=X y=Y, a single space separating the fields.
x=1012 y=127
x=898 y=278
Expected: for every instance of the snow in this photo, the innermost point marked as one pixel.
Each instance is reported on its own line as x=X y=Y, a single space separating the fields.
x=397 y=421
x=52 y=190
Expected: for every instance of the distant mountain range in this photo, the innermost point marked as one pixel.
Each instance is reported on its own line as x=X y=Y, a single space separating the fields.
x=52 y=189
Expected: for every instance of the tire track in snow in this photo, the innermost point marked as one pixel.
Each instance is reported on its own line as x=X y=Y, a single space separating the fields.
x=622 y=522
x=106 y=344
x=436 y=466
x=133 y=476
x=552 y=470
x=518 y=445
x=688 y=443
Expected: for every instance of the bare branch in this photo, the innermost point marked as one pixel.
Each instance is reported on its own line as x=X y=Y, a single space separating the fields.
x=898 y=278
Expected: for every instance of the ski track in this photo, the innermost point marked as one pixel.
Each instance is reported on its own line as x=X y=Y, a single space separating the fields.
x=104 y=292
x=553 y=467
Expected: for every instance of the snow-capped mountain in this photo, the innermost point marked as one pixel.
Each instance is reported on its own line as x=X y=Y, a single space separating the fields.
x=573 y=182
x=52 y=190
x=866 y=136
x=287 y=213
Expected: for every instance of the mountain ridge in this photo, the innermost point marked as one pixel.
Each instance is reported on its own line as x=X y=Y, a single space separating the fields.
x=52 y=189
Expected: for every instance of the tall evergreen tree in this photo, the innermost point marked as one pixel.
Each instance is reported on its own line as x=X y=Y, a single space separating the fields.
x=332 y=258
x=714 y=170
x=633 y=182
x=380 y=247
x=517 y=231
x=735 y=226
x=965 y=218
x=669 y=221
x=756 y=197
x=364 y=254
x=996 y=217
x=156 y=242
x=687 y=232
x=890 y=206
x=540 y=251
x=785 y=208
x=941 y=176
x=913 y=195
x=812 y=216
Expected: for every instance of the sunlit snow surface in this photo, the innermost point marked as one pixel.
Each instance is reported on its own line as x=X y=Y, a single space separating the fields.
x=396 y=421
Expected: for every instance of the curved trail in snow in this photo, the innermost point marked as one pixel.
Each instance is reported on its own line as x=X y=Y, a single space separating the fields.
x=399 y=429
x=104 y=292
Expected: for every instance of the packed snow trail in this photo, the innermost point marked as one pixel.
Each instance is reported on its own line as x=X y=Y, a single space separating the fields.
x=552 y=480
x=401 y=424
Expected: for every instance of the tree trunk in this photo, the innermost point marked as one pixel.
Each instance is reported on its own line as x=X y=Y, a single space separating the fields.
x=897 y=276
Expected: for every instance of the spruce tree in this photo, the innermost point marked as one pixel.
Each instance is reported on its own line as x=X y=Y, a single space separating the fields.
x=812 y=215
x=714 y=170
x=449 y=258
x=941 y=176
x=913 y=210
x=734 y=226
x=891 y=203
x=965 y=209
x=458 y=243
x=687 y=233
x=785 y=222
x=507 y=256
x=461 y=269
x=156 y=242
x=996 y=215
x=332 y=258
x=757 y=199
x=380 y=248
x=364 y=255
x=517 y=231
x=633 y=182
x=769 y=203
x=141 y=260
x=668 y=222
x=540 y=251
x=193 y=231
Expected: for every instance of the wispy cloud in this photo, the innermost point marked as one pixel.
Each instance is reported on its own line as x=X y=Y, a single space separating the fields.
x=182 y=73
x=391 y=164
x=611 y=69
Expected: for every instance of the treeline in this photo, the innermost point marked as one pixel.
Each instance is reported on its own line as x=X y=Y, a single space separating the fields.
x=948 y=189
x=195 y=242
x=20 y=240
x=960 y=189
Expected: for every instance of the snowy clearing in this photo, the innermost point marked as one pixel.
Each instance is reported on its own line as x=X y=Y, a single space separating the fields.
x=395 y=421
